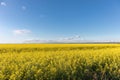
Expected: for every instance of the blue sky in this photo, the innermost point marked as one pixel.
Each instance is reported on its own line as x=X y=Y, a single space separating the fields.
x=95 y=20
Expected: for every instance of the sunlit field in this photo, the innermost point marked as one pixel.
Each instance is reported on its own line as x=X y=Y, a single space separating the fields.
x=60 y=62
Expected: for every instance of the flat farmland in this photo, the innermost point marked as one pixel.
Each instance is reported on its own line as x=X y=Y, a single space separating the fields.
x=60 y=62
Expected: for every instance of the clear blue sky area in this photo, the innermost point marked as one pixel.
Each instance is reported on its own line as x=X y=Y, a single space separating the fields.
x=22 y=20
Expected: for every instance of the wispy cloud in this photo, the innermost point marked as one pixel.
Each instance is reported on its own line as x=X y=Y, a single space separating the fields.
x=24 y=7
x=21 y=31
x=3 y=4
x=76 y=37
x=73 y=39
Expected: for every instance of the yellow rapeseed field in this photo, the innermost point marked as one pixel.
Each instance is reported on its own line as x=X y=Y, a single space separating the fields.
x=60 y=62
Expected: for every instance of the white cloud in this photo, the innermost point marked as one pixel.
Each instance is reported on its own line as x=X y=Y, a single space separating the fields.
x=21 y=32
x=76 y=37
x=24 y=7
x=3 y=4
x=73 y=39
